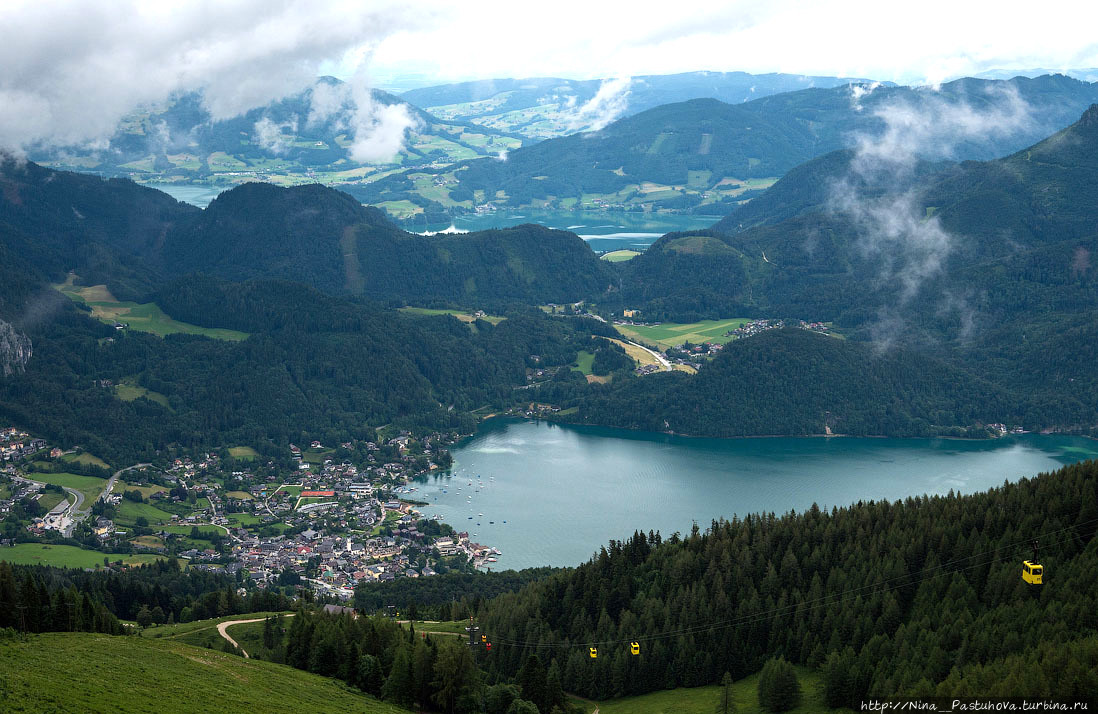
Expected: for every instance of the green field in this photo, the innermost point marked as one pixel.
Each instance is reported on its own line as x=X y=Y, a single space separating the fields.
x=703 y=700
x=316 y=456
x=90 y=486
x=86 y=459
x=245 y=453
x=584 y=360
x=450 y=627
x=128 y=392
x=620 y=256
x=49 y=500
x=185 y=628
x=146 y=491
x=66 y=556
x=145 y=317
x=129 y=512
x=63 y=672
x=670 y=334
x=463 y=316
x=243 y=519
x=186 y=530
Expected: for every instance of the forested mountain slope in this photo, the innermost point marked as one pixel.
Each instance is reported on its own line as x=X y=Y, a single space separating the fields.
x=703 y=153
x=324 y=238
x=920 y=597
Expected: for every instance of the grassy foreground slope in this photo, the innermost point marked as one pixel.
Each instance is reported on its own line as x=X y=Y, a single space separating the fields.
x=703 y=700
x=64 y=672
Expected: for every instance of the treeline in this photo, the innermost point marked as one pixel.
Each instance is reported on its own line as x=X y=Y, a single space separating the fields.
x=162 y=589
x=32 y=601
x=429 y=672
x=448 y=596
x=919 y=597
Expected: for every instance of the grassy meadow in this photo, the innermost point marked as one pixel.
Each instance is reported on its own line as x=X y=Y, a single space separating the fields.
x=146 y=317
x=703 y=700
x=90 y=486
x=66 y=556
x=78 y=672
x=670 y=334
x=620 y=256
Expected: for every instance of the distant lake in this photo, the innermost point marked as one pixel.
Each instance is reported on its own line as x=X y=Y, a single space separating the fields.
x=196 y=195
x=602 y=230
x=565 y=491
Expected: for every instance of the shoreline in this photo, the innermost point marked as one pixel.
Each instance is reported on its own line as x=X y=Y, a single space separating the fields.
x=631 y=430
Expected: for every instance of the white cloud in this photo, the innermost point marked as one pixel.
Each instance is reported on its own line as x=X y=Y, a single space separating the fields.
x=609 y=103
x=72 y=70
x=910 y=247
x=270 y=136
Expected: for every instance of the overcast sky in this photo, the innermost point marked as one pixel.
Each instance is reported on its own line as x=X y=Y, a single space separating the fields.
x=72 y=69
x=905 y=42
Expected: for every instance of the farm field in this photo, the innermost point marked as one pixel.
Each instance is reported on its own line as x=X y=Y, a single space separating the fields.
x=463 y=316
x=90 y=486
x=80 y=672
x=66 y=556
x=86 y=459
x=620 y=256
x=129 y=511
x=243 y=452
x=146 y=491
x=584 y=360
x=186 y=530
x=670 y=334
x=128 y=392
x=450 y=627
x=147 y=317
x=48 y=500
x=640 y=356
x=703 y=700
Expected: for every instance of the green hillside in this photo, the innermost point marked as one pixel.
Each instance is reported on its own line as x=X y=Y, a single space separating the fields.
x=708 y=156
x=797 y=382
x=66 y=672
x=545 y=107
x=326 y=239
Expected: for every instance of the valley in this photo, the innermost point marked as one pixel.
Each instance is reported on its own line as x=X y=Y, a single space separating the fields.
x=453 y=360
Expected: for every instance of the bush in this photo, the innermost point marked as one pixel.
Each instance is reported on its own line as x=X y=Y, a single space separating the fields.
x=779 y=690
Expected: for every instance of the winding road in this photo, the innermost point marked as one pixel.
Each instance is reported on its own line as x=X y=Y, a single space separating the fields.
x=222 y=627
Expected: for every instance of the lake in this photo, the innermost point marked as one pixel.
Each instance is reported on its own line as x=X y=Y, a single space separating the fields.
x=602 y=230
x=552 y=495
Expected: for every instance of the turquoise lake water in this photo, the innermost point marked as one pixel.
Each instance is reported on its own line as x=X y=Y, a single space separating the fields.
x=565 y=491
x=604 y=231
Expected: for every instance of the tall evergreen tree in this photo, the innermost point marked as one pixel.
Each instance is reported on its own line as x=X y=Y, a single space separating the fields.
x=725 y=703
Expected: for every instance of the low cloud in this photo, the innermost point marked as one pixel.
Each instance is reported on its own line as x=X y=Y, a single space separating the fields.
x=894 y=231
x=609 y=103
x=73 y=70
x=376 y=130
x=271 y=136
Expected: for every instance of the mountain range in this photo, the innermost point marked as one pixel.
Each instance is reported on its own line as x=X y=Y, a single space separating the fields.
x=707 y=156
x=547 y=107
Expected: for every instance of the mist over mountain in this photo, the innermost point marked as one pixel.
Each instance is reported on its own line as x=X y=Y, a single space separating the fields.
x=564 y=106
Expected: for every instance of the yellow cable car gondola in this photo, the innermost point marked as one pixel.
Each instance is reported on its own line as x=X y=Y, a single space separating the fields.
x=594 y=652
x=634 y=648
x=1032 y=570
